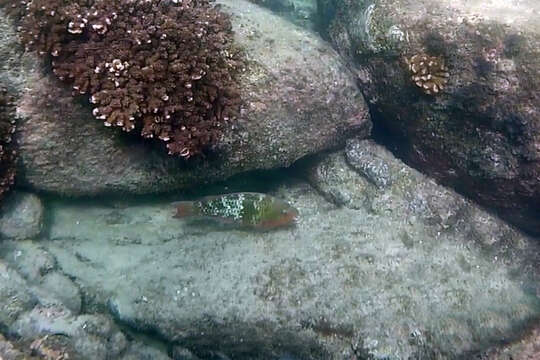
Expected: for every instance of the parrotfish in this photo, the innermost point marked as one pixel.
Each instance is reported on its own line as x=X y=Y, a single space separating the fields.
x=245 y=209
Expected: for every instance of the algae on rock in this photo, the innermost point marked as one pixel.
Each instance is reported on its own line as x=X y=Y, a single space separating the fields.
x=480 y=133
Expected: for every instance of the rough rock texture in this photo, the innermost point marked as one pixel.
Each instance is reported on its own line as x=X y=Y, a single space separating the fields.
x=56 y=288
x=15 y=296
x=8 y=351
x=480 y=134
x=300 y=12
x=299 y=99
x=410 y=270
x=89 y=333
x=180 y=353
x=139 y=351
x=7 y=152
x=39 y=309
x=58 y=347
x=526 y=348
x=21 y=216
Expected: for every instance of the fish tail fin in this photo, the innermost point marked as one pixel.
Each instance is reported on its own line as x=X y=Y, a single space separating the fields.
x=184 y=209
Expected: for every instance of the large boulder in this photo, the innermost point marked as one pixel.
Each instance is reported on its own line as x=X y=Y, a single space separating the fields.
x=480 y=133
x=21 y=216
x=299 y=99
x=402 y=269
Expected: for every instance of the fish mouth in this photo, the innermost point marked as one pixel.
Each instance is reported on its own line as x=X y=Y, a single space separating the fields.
x=295 y=218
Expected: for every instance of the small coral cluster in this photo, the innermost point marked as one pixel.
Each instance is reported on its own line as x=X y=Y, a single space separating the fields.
x=7 y=154
x=429 y=73
x=166 y=68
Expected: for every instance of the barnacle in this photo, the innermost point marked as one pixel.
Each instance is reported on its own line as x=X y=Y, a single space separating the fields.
x=129 y=56
x=429 y=73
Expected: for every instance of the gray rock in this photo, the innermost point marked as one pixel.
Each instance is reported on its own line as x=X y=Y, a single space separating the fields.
x=300 y=99
x=40 y=321
x=15 y=296
x=90 y=336
x=38 y=267
x=56 y=288
x=21 y=216
x=276 y=5
x=139 y=351
x=527 y=347
x=371 y=162
x=339 y=183
x=413 y=270
x=8 y=351
x=480 y=134
x=300 y=12
x=180 y=353
x=41 y=311
x=29 y=259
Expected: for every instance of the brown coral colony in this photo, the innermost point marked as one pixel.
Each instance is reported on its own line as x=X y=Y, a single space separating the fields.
x=429 y=73
x=166 y=68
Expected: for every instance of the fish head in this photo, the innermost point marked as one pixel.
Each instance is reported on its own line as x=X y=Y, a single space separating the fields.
x=282 y=215
x=290 y=214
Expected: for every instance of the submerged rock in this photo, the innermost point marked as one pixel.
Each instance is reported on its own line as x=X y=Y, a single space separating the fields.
x=402 y=269
x=300 y=12
x=57 y=288
x=89 y=336
x=9 y=351
x=41 y=311
x=30 y=260
x=526 y=348
x=329 y=176
x=140 y=351
x=15 y=296
x=21 y=216
x=180 y=353
x=456 y=85
x=299 y=99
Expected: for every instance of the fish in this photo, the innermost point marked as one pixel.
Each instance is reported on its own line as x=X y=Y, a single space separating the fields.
x=248 y=210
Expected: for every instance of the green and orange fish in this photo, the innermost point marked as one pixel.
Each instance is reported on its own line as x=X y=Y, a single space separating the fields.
x=245 y=210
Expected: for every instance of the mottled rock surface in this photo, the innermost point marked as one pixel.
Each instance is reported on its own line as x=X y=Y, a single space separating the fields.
x=56 y=288
x=300 y=12
x=40 y=311
x=402 y=269
x=8 y=351
x=21 y=216
x=15 y=296
x=139 y=351
x=526 y=348
x=7 y=152
x=480 y=134
x=299 y=98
